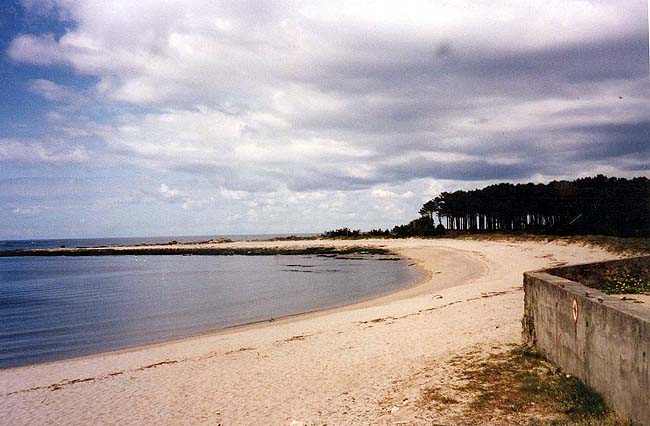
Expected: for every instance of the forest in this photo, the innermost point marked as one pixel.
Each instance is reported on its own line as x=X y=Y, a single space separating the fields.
x=597 y=205
x=593 y=205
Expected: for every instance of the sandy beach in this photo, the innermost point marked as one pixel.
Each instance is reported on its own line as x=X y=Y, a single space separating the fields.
x=361 y=364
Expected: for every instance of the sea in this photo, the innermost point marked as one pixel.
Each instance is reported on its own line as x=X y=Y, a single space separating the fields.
x=128 y=241
x=54 y=308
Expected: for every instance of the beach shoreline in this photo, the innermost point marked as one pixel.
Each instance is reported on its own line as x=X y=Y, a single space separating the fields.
x=362 y=358
x=194 y=249
x=403 y=292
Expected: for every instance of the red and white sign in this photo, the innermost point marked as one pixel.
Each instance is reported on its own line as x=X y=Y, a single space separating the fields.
x=575 y=310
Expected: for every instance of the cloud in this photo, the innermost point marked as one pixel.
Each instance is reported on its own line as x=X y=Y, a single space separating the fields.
x=235 y=195
x=387 y=194
x=170 y=194
x=29 y=211
x=229 y=54
x=38 y=50
x=295 y=102
x=53 y=91
x=41 y=152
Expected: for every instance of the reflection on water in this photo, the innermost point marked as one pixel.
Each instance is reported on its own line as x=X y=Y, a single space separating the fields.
x=58 y=307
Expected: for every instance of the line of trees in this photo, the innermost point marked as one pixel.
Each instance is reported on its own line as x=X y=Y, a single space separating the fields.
x=594 y=205
x=355 y=233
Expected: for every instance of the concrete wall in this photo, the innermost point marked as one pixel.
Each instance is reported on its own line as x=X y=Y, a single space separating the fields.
x=607 y=347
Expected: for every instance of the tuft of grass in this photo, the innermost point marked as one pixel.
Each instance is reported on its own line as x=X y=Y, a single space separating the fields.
x=627 y=281
x=628 y=276
x=433 y=396
x=521 y=384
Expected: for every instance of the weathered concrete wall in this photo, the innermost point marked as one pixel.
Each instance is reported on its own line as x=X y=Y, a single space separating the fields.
x=607 y=346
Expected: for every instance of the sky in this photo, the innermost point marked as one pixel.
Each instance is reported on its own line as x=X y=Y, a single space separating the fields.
x=144 y=118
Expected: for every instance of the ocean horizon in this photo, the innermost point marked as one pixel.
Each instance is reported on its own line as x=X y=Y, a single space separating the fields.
x=48 y=243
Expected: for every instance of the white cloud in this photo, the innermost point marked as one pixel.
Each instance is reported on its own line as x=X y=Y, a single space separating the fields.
x=234 y=195
x=168 y=52
x=47 y=152
x=53 y=91
x=355 y=110
x=37 y=50
x=169 y=193
x=386 y=194
x=29 y=211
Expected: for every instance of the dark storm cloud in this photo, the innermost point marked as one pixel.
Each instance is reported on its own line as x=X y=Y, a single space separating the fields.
x=641 y=168
x=587 y=62
x=460 y=170
x=390 y=66
x=312 y=180
x=608 y=141
x=408 y=96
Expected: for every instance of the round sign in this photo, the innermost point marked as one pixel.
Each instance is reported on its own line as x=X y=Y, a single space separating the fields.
x=575 y=310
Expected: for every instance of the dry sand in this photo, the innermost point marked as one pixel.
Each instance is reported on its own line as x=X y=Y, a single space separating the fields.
x=346 y=366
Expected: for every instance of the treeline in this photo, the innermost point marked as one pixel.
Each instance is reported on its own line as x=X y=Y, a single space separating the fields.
x=586 y=206
x=355 y=233
x=594 y=205
x=420 y=227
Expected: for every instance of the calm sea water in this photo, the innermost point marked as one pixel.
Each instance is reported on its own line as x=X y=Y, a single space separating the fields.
x=98 y=242
x=59 y=307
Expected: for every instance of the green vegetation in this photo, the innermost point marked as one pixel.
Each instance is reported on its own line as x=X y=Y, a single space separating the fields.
x=356 y=233
x=595 y=205
x=522 y=387
x=424 y=226
x=631 y=276
x=635 y=282
x=618 y=245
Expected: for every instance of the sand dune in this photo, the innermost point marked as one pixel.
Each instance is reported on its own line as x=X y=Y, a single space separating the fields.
x=344 y=366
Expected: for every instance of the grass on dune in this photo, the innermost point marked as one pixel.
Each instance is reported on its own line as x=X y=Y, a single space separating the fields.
x=619 y=245
x=519 y=387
